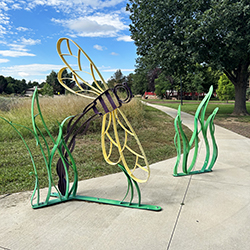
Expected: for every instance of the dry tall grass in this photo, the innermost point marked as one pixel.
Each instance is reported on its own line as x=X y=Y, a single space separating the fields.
x=54 y=111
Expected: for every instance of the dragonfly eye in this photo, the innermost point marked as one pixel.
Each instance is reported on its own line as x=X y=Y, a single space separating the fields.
x=120 y=89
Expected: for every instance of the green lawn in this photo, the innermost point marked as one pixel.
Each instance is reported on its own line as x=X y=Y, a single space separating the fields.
x=225 y=109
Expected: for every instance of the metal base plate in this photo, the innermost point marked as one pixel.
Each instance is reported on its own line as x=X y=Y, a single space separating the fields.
x=97 y=200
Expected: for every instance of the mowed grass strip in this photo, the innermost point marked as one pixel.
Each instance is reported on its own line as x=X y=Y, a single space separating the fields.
x=154 y=128
x=225 y=109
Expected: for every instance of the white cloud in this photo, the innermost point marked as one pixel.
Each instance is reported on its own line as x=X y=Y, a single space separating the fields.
x=4 y=60
x=30 y=69
x=114 y=54
x=3 y=6
x=2 y=30
x=23 y=74
x=109 y=3
x=22 y=29
x=124 y=38
x=98 y=25
x=4 y=19
x=99 y=47
x=12 y=53
x=103 y=67
x=16 y=6
x=18 y=48
x=74 y=5
x=124 y=11
x=30 y=41
x=86 y=25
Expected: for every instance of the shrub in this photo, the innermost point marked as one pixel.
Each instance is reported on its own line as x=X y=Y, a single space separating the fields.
x=225 y=89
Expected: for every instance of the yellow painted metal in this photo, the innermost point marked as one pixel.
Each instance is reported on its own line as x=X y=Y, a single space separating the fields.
x=75 y=73
x=111 y=120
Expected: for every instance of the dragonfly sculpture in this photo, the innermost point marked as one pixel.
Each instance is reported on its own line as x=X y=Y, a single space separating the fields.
x=116 y=131
x=116 y=134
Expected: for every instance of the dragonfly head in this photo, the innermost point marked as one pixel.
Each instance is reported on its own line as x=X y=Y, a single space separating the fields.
x=123 y=87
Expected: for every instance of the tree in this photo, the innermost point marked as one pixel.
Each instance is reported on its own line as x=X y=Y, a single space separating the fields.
x=140 y=84
x=52 y=80
x=203 y=77
x=33 y=84
x=198 y=81
x=29 y=84
x=10 y=85
x=42 y=84
x=225 y=89
x=9 y=88
x=47 y=90
x=3 y=84
x=162 y=84
x=175 y=35
x=20 y=86
x=211 y=77
x=152 y=76
x=117 y=78
x=130 y=79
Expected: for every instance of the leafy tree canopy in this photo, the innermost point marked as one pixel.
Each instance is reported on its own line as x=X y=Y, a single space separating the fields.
x=11 y=85
x=175 y=35
x=162 y=84
x=140 y=84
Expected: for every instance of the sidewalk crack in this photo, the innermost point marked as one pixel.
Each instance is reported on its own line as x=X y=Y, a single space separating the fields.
x=179 y=213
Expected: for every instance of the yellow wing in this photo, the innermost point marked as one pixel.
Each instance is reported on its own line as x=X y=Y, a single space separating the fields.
x=126 y=143
x=81 y=66
x=118 y=138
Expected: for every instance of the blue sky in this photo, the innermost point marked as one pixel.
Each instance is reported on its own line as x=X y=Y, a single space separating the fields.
x=29 y=31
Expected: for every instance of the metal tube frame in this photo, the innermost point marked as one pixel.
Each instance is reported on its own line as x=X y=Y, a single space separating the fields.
x=199 y=119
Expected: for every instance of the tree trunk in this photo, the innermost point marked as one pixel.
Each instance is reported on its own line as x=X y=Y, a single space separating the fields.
x=240 y=81
x=240 y=99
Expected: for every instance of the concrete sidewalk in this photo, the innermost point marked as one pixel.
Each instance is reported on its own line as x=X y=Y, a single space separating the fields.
x=206 y=211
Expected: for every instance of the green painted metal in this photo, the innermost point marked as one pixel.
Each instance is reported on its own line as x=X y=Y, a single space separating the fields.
x=59 y=144
x=185 y=145
x=122 y=203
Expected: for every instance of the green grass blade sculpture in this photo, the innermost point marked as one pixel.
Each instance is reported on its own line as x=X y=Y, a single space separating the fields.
x=185 y=145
